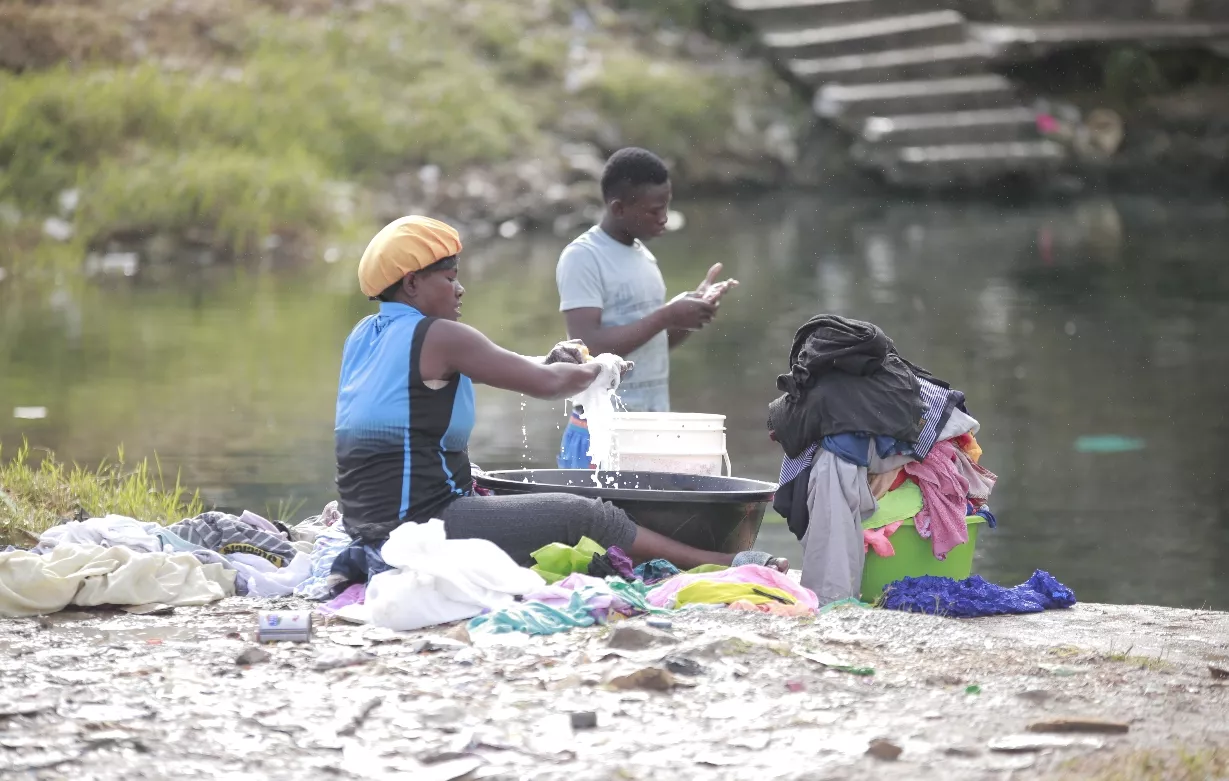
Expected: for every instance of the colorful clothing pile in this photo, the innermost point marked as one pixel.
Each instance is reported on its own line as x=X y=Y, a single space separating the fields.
x=856 y=422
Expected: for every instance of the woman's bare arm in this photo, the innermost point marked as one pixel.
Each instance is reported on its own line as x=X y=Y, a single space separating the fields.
x=455 y=348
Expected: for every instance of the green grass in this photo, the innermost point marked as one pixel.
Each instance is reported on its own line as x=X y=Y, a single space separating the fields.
x=236 y=123
x=37 y=496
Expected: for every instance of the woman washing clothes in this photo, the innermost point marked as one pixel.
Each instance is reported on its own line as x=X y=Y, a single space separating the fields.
x=405 y=410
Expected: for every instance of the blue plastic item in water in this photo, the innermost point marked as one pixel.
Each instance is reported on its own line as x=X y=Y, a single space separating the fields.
x=1108 y=444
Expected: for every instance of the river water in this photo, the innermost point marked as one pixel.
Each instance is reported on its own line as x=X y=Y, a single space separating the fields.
x=1089 y=336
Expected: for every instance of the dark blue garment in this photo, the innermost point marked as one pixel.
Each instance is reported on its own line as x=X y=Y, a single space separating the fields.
x=984 y=512
x=401 y=446
x=974 y=597
x=855 y=448
x=655 y=571
x=359 y=562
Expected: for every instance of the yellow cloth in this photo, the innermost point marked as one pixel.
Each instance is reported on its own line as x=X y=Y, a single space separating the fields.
x=773 y=608
x=711 y=592
x=973 y=451
x=408 y=244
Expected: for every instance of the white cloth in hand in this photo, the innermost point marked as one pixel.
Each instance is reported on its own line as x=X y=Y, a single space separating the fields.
x=612 y=372
x=598 y=403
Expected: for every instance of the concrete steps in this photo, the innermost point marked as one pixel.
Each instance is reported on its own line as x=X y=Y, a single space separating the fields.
x=910 y=83
x=767 y=15
x=944 y=61
x=928 y=29
x=951 y=165
x=982 y=127
x=849 y=104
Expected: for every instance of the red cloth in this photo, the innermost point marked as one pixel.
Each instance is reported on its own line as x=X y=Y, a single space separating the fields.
x=901 y=477
x=944 y=498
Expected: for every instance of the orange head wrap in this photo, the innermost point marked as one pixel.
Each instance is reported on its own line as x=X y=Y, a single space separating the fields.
x=408 y=244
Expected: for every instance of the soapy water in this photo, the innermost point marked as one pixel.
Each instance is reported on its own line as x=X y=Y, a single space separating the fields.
x=525 y=456
x=599 y=402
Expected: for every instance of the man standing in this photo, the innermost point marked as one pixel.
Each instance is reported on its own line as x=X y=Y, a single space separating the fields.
x=613 y=297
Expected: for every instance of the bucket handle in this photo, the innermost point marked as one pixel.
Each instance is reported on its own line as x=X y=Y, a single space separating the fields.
x=725 y=460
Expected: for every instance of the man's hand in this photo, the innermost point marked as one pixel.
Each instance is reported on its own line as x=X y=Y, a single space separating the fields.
x=710 y=290
x=689 y=312
x=571 y=351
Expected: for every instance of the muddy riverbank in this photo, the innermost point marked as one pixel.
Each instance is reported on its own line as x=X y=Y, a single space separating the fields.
x=113 y=695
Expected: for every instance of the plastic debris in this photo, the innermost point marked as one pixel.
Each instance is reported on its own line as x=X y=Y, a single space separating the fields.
x=833 y=663
x=1108 y=444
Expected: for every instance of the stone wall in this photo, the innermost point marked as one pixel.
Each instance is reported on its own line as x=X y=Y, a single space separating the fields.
x=1025 y=11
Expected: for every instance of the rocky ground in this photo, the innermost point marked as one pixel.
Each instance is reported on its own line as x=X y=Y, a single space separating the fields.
x=719 y=694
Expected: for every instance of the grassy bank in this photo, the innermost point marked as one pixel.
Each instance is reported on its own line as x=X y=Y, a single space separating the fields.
x=36 y=494
x=227 y=121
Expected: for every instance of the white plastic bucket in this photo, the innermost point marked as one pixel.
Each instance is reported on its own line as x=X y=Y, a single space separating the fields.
x=686 y=442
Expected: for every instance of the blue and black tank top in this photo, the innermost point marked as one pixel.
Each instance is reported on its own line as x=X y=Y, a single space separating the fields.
x=401 y=446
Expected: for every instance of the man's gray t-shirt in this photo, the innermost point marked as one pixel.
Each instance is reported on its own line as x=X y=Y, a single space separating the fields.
x=624 y=282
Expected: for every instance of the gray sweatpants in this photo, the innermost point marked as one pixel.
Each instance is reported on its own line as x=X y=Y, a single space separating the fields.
x=521 y=524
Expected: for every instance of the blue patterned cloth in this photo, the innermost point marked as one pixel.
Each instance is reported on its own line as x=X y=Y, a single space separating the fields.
x=939 y=404
x=974 y=597
x=323 y=583
x=574 y=449
x=792 y=467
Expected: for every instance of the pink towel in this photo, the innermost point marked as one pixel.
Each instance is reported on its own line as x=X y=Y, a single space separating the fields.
x=944 y=498
x=878 y=539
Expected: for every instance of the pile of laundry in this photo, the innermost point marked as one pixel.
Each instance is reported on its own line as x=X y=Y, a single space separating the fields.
x=870 y=439
x=116 y=560
x=429 y=580
x=418 y=578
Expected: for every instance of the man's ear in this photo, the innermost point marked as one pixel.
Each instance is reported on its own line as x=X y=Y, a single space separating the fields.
x=615 y=207
x=409 y=283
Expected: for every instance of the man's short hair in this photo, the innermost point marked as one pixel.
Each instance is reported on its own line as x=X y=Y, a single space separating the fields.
x=630 y=168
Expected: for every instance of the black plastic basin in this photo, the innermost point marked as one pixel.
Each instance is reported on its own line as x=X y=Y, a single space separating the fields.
x=713 y=513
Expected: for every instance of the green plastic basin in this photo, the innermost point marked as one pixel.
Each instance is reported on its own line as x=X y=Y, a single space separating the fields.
x=914 y=556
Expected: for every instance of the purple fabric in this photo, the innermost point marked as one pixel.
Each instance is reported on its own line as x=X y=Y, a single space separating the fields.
x=613 y=563
x=354 y=595
x=974 y=597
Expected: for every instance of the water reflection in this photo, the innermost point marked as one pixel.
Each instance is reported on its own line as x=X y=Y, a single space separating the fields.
x=1087 y=319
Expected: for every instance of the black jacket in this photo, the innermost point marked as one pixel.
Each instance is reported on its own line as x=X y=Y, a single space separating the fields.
x=845 y=377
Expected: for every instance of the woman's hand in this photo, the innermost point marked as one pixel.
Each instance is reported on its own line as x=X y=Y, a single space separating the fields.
x=613 y=369
x=570 y=351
